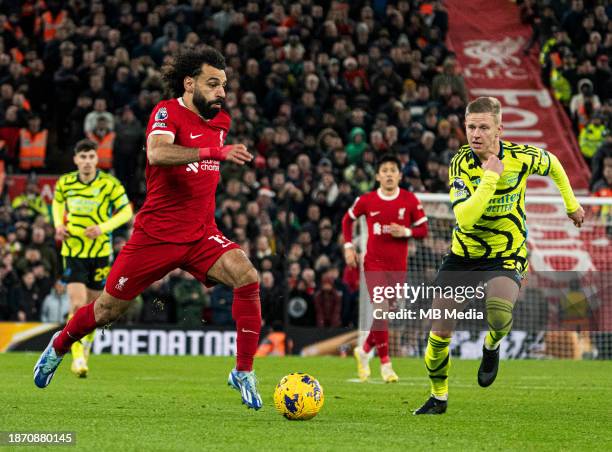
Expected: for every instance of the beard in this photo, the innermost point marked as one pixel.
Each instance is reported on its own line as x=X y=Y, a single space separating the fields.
x=205 y=107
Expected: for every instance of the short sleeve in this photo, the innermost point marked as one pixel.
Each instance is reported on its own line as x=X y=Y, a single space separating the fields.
x=163 y=121
x=417 y=214
x=358 y=208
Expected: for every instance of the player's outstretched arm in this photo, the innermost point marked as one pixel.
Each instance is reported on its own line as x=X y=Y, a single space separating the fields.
x=161 y=151
x=574 y=211
x=470 y=211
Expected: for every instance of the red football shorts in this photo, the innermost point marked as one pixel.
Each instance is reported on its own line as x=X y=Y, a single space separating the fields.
x=379 y=275
x=144 y=260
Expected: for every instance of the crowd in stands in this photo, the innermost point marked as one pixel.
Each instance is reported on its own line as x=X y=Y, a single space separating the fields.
x=316 y=90
x=575 y=41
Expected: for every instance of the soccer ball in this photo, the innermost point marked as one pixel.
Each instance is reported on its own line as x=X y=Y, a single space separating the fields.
x=298 y=396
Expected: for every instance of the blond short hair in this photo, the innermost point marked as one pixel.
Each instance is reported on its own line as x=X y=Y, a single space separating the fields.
x=485 y=105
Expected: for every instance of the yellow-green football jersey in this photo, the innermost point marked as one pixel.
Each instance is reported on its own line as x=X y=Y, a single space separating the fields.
x=501 y=230
x=88 y=205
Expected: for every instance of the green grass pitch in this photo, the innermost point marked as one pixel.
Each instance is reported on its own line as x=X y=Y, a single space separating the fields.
x=145 y=403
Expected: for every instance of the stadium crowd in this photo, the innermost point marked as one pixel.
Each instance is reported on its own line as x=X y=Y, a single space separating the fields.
x=575 y=41
x=316 y=90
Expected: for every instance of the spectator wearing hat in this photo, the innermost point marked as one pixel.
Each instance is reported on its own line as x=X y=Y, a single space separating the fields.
x=584 y=104
x=356 y=145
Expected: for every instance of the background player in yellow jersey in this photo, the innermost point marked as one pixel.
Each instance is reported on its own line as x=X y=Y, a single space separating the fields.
x=488 y=178
x=88 y=205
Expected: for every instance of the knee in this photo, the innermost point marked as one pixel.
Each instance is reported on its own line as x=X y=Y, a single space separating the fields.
x=249 y=277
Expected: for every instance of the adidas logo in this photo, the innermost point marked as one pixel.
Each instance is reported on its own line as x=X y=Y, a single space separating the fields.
x=193 y=167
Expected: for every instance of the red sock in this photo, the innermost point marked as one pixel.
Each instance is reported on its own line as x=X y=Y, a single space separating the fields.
x=246 y=312
x=81 y=324
x=382 y=345
x=369 y=343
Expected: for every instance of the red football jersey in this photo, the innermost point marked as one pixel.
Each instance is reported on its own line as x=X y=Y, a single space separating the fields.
x=385 y=252
x=180 y=202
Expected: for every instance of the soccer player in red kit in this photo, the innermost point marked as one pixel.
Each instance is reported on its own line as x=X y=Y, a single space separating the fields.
x=176 y=227
x=393 y=216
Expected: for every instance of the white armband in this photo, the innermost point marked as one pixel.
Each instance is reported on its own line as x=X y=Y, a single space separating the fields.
x=348 y=245
x=407 y=232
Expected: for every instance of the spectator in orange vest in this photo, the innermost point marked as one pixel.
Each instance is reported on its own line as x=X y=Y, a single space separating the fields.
x=105 y=139
x=51 y=20
x=275 y=343
x=32 y=145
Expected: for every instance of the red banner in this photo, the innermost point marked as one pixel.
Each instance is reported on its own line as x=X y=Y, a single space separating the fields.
x=488 y=39
x=46 y=183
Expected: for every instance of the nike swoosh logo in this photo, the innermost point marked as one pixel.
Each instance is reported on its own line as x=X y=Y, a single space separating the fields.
x=248 y=331
x=192 y=136
x=373 y=214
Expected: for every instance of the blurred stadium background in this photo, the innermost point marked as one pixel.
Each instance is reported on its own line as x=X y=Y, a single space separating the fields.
x=317 y=90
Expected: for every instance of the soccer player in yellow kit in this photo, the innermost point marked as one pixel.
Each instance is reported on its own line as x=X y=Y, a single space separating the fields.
x=488 y=178
x=88 y=205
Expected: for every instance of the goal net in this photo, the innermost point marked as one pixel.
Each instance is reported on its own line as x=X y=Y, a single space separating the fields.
x=564 y=309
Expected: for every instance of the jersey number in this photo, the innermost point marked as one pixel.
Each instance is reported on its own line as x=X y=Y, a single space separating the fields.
x=221 y=240
x=101 y=273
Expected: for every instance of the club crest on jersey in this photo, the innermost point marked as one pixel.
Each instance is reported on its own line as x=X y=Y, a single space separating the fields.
x=121 y=283
x=458 y=184
x=401 y=212
x=162 y=114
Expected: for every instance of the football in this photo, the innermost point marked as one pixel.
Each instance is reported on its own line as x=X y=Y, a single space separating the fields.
x=298 y=396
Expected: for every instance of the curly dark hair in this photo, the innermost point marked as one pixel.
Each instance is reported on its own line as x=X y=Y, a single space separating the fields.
x=188 y=63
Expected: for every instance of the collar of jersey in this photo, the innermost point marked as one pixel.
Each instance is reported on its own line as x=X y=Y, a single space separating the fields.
x=384 y=197
x=501 y=153
x=91 y=181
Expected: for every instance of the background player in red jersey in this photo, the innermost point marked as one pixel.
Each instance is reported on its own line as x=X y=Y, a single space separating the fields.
x=393 y=216
x=175 y=227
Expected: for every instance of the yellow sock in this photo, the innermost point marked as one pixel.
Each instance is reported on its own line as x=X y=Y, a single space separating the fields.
x=499 y=318
x=87 y=342
x=437 y=361
x=77 y=350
